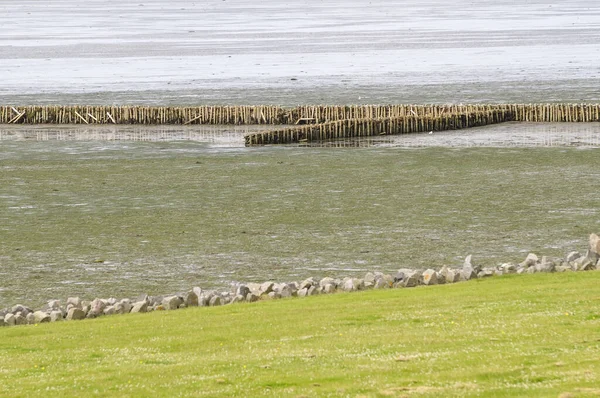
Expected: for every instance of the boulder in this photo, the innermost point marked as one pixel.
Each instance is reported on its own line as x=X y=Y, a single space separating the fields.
x=307 y=283
x=238 y=299
x=328 y=288
x=572 y=256
x=266 y=288
x=198 y=292
x=20 y=308
x=215 y=301
x=75 y=314
x=411 y=279
x=9 y=319
x=352 y=284
x=171 y=302
x=468 y=264
x=508 y=268
x=56 y=316
x=303 y=292
x=546 y=265
x=595 y=244
x=530 y=260
x=123 y=307
x=41 y=317
x=486 y=273
x=140 y=306
x=251 y=297
x=327 y=281
x=312 y=291
x=191 y=299
x=380 y=283
x=74 y=301
x=429 y=277
x=285 y=291
x=110 y=310
x=242 y=290
x=97 y=306
x=20 y=319
x=30 y=318
x=274 y=295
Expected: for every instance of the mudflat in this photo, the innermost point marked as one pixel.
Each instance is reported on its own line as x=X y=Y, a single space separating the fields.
x=298 y=52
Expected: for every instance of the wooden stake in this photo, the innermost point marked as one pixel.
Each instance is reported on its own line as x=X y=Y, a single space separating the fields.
x=81 y=117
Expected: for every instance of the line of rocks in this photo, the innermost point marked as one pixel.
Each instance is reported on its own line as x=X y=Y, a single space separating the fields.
x=75 y=308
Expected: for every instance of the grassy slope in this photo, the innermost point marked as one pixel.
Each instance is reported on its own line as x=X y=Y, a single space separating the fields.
x=534 y=335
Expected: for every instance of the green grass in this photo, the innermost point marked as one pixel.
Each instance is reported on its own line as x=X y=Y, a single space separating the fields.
x=534 y=335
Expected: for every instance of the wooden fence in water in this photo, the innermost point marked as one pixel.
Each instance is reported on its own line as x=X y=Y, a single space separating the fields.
x=323 y=122
x=368 y=127
x=266 y=114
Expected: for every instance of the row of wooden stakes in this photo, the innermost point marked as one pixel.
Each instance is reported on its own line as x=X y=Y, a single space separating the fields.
x=276 y=115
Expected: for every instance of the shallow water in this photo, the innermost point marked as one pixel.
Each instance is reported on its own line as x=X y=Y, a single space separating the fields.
x=299 y=52
x=114 y=216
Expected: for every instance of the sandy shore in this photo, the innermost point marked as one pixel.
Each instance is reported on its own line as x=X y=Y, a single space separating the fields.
x=357 y=51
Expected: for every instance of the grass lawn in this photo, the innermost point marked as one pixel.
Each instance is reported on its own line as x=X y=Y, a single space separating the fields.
x=531 y=335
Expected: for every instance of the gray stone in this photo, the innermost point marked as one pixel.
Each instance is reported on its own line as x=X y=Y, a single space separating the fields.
x=498 y=272
x=30 y=318
x=123 y=307
x=153 y=301
x=20 y=308
x=468 y=265
x=508 y=268
x=531 y=270
x=242 y=290
x=308 y=283
x=10 y=320
x=586 y=265
x=251 y=297
x=142 y=297
x=52 y=305
x=326 y=281
x=254 y=288
x=74 y=301
x=285 y=291
x=572 y=256
x=411 y=279
x=75 y=314
x=56 y=316
x=562 y=268
x=214 y=301
x=486 y=273
x=380 y=283
x=530 y=260
x=111 y=301
x=429 y=277
x=171 y=302
x=198 y=292
x=274 y=295
x=266 y=288
x=351 y=284
x=302 y=292
x=20 y=319
x=110 y=310
x=595 y=244
x=191 y=299
x=521 y=270
x=328 y=288
x=41 y=317
x=140 y=306
x=97 y=306
x=312 y=291
x=238 y=299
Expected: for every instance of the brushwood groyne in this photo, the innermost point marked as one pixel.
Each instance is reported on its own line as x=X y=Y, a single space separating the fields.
x=309 y=123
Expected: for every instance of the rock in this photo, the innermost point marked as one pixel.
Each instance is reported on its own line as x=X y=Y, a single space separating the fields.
x=56 y=316
x=530 y=260
x=328 y=288
x=9 y=319
x=52 y=305
x=254 y=288
x=411 y=279
x=468 y=265
x=380 y=283
x=238 y=299
x=369 y=280
x=242 y=290
x=97 y=306
x=198 y=292
x=191 y=299
x=302 y=292
x=20 y=308
x=521 y=270
x=140 y=306
x=572 y=256
x=75 y=314
x=546 y=265
x=530 y=270
x=214 y=301
x=307 y=283
x=274 y=295
x=251 y=298
x=327 y=281
x=142 y=297
x=312 y=291
x=110 y=310
x=352 y=284
x=123 y=307
x=30 y=318
x=429 y=277
x=153 y=301
x=266 y=288
x=20 y=319
x=486 y=273
x=172 y=302
x=508 y=268
x=285 y=291
x=74 y=301
x=41 y=317
x=586 y=265
x=562 y=268
x=595 y=244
